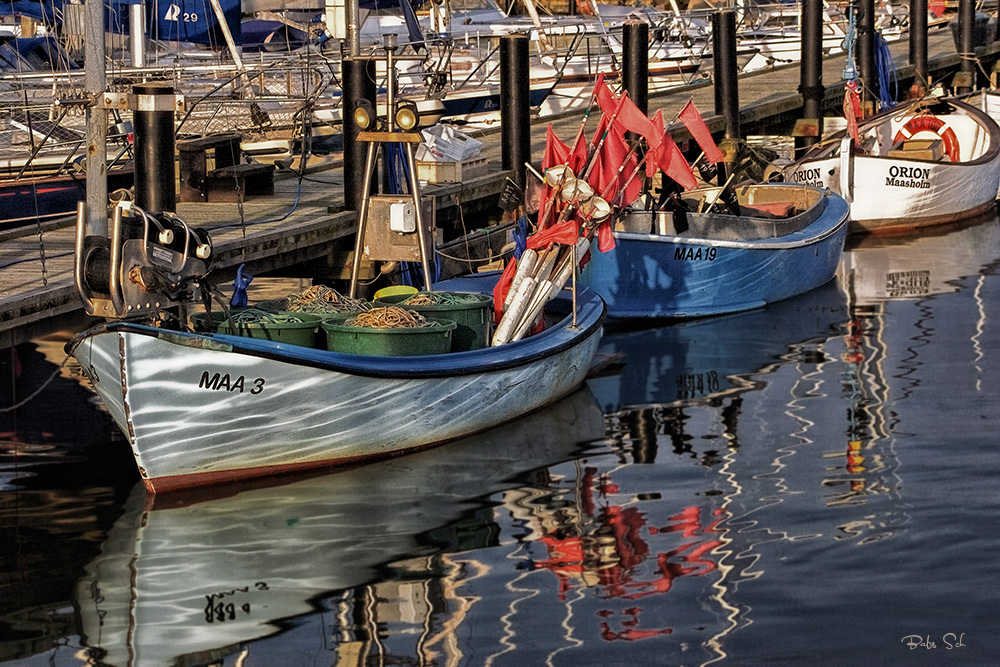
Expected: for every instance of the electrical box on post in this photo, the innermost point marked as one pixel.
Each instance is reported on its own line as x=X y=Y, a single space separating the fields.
x=402 y=217
x=391 y=230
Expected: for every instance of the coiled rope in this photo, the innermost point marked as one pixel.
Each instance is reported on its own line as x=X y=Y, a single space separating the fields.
x=260 y=316
x=390 y=317
x=318 y=299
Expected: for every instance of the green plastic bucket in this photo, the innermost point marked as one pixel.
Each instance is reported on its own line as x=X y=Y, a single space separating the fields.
x=303 y=332
x=397 y=342
x=473 y=318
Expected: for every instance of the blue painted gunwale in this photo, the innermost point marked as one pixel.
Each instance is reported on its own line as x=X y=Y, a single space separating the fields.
x=790 y=261
x=555 y=339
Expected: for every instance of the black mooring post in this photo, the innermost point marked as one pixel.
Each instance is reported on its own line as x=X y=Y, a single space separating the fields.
x=635 y=62
x=727 y=94
x=918 y=47
x=515 y=104
x=359 y=84
x=866 y=55
x=966 y=27
x=726 y=72
x=717 y=41
x=153 y=121
x=811 y=74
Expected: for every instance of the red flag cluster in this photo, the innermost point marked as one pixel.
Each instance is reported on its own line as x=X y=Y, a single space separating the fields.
x=610 y=165
x=613 y=169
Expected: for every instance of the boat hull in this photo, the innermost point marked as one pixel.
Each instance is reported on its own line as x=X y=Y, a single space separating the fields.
x=889 y=191
x=199 y=409
x=942 y=193
x=675 y=276
x=27 y=200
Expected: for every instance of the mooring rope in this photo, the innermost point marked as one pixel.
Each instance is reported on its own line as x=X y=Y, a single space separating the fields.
x=40 y=389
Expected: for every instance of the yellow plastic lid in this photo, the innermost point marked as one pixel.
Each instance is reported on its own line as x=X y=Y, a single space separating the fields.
x=394 y=290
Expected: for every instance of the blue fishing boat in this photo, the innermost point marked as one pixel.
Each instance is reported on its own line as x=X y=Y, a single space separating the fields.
x=707 y=257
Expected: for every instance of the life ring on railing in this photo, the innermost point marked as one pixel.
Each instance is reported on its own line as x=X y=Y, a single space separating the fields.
x=931 y=124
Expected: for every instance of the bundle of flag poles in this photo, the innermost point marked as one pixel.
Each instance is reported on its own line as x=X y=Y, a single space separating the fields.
x=585 y=184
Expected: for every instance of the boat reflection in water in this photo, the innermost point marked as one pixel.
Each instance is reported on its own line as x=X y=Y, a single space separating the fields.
x=195 y=575
x=712 y=357
x=876 y=269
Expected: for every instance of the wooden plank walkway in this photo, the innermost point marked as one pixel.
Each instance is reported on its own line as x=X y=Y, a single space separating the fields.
x=303 y=220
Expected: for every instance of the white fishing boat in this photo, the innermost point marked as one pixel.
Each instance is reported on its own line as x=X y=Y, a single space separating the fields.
x=929 y=163
x=200 y=407
x=203 y=408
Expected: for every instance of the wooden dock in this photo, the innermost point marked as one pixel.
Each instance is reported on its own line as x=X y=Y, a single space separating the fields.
x=304 y=220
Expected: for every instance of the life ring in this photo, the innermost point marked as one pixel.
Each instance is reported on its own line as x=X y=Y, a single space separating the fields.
x=931 y=124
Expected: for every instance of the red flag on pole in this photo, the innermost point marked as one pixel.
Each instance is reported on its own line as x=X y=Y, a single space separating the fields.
x=577 y=159
x=674 y=165
x=605 y=237
x=632 y=119
x=669 y=158
x=696 y=126
x=606 y=99
x=606 y=162
x=565 y=232
x=556 y=152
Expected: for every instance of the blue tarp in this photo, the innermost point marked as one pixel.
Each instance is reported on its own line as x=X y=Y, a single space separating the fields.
x=34 y=53
x=189 y=21
x=261 y=35
x=41 y=11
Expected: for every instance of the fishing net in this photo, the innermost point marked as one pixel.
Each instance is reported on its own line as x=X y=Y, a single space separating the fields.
x=390 y=317
x=319 y=299
x=440 y=299
x=261 y=316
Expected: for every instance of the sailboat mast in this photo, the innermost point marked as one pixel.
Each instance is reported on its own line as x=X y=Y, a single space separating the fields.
x=137 y=34
x=343 y=23
x=234 y=50
x=95 y=83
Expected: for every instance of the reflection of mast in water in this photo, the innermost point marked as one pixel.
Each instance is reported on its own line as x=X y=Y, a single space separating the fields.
x=598 y=536
x=980 y=328
x=866 y=392
x=643 y=428
x=876 y=272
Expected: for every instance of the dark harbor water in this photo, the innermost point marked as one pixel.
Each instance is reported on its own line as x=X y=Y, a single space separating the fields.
x=810 y=483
